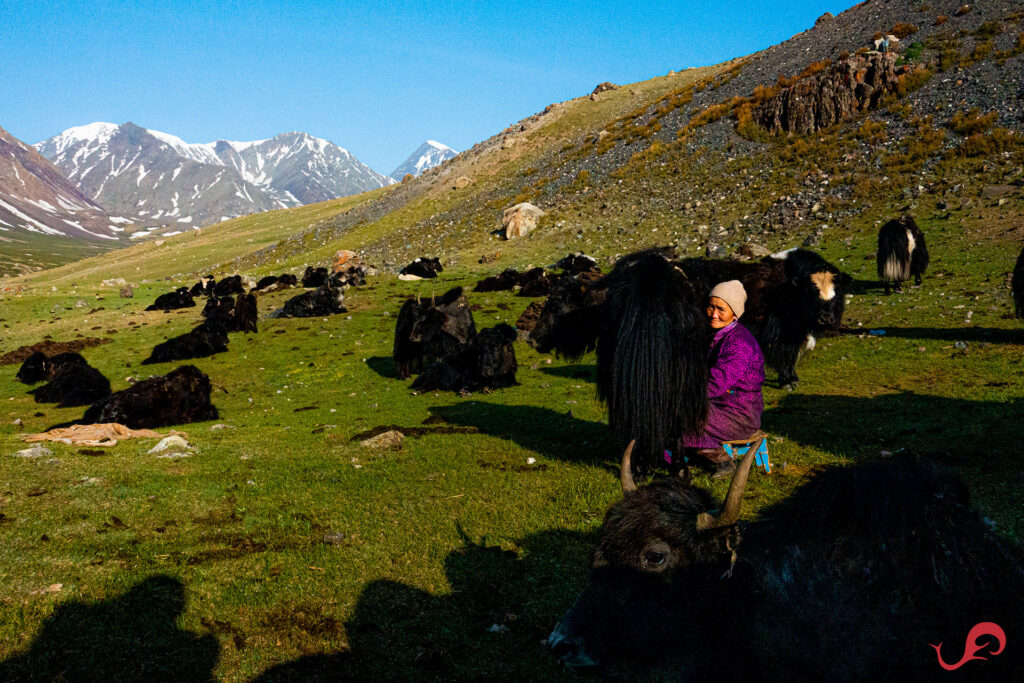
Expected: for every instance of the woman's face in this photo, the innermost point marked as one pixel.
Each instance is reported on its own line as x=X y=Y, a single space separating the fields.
x=719 y=313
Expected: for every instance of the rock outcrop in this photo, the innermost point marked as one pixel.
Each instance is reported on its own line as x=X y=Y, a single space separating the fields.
x=849 y=86
x=520 y=219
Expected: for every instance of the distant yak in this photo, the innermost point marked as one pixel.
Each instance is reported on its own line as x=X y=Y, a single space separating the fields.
x=421 y=268
x=180 y=298
x=70 y=380
x=322 y=301
x=180 y=396
x=646 y=319
x=534 y=282
x=314 y=277
x=902 y=253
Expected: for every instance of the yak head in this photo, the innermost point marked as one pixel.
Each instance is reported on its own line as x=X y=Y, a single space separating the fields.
x=818 y=287
x=658 y=549
x=571 y=318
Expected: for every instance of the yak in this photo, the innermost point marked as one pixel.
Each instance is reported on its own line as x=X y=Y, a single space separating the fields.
x=1017 y=285
x=487 y=362
x=314 y=277
x=536 y=282
x=276 y=282
x=871 y=572
x=204 y=287
x=646 y=319
x=502 y=282
x=245 y=313
x=228 y=286
x=426 y=332
x=33 y=369
x=180 y=396
x=324 y=300
x=71 y=381
x=902 y=253
x=179 y=298
x=265 y=282
x=204 y=340
x=575 y=264
x=421 y=268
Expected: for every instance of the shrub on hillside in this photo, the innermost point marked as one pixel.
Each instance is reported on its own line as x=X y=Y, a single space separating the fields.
x=972 y=122
x=901 y=30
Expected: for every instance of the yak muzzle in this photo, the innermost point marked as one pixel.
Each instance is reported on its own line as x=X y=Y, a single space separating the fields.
x=827 y=319
x=569 y=648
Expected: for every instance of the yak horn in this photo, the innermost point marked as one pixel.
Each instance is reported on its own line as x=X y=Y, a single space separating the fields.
x=730 y=511
x=626 y=471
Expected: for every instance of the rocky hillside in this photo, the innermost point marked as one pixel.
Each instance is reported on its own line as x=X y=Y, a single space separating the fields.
x=153 y=179
x=36 y=198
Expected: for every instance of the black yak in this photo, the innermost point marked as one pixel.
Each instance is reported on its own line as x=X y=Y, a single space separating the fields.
x=180 y=396
x=421 y=268
x=228 y=286
x=646 y=318
x=219 y=314
x=1017 y=285
x=858 y=576
x=352 y=276
x=502 y=282
x=204 y=287
x=265 y=282
x=427 y=331
x=487 y=362
x=179 y=298
x=33 y=369
x=902 y=253
x=71 y=381
x=204 y=340
x=245 y=313
x=577 y=263
x=324 y=300
x=314 y=277
x=536 y=282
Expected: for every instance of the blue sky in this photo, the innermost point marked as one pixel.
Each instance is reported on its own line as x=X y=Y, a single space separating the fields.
x=377 y=78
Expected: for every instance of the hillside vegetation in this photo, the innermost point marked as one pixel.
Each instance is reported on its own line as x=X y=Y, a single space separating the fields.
x=283 y=541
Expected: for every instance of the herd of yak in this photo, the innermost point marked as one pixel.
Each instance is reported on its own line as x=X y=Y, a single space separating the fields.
x=862 y=574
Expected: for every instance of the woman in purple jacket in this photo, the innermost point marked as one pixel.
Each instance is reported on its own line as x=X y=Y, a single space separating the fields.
x=734 y=380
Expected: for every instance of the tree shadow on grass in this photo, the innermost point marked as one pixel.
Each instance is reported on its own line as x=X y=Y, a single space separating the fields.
x=133 y=637
x=491 y=625
x=558 y=436
x=383 y=366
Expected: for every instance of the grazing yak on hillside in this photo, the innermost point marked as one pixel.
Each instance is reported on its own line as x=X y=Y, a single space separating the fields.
x=902 y=253
x=646 y=318
x=179 y=298
x=1017 y=285
x=438 y=341
x=872 y=572
x=180 y=396
x=71 y=381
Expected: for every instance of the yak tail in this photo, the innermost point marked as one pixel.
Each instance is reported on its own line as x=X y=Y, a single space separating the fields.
x=894 y=252
x=651 y=355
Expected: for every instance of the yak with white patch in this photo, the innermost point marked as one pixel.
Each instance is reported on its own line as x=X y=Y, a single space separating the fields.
x=902 y=253
x=421 y=268
x=1017 y=285
x=575 y=264
x=179 y=397
x=71 y=381
x=322 y=301
x=179 y=298
x=646 y=319
x=866 y=573
x=204 y=287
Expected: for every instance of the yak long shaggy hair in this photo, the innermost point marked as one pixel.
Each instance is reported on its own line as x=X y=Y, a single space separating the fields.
x=651 y=351
x=71 y=381
x=429 y=330
x=179 y=298
x=1017 y=285
x=849 y=579
x=646 y=318
x=180 y=396
x=902 y=253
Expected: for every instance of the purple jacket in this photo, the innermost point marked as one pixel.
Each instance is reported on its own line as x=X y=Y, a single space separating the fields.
x=734 y=388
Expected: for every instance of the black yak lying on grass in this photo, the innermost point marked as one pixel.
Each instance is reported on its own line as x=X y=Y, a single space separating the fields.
x=1017 y=285
x=902 y=253
x=437 y=339
x=71 y=381
x=534 y=282
x=322 y=301
x=577 y=263
x=421 y=268
x=180 y=396
x=204 y=287
x=200 y=342
x=857 y=576
x=314 y=277
x=646 y=318
x=179 y=298
x=228 y=286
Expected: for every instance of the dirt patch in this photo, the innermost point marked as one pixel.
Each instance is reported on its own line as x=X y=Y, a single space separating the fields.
x=92 y=451
x=414 y=431
x=528 y=320
x=50 y=348
x=504 y=467
x=225 y=628
x=307 y=619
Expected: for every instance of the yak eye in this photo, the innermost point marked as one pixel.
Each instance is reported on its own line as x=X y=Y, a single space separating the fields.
x=653 y=558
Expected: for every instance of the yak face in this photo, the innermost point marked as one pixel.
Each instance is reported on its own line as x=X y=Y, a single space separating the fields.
x=659 y=549
x=570 y=320
x=818 y=288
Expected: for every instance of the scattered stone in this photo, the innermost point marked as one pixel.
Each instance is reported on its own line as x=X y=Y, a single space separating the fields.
x=172 y=446
x=389 y=439
x=334 y=538
x=520 y=220
x=36 y=451
x=604 y=87
x=218 y=427
x=462 y=181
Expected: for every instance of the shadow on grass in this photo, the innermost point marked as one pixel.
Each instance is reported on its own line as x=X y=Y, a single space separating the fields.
x=383 y=366
x=558 y=436
x=502 y=605
x=578 y=371
x=133 y=637
x=958 y=432
x=992 y=335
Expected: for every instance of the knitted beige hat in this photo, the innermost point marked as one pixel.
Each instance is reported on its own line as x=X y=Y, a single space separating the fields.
x=732 y=293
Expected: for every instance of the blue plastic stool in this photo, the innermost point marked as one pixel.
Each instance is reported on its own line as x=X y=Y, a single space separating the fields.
x=738 y=447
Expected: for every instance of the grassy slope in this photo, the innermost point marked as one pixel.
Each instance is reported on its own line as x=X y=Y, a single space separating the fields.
x=454 y=532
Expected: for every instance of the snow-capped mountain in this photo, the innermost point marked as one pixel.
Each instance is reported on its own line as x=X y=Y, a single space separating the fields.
x=35 y=197
x=157 y=179
x=431 y=153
